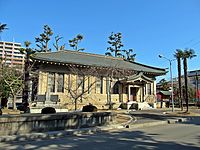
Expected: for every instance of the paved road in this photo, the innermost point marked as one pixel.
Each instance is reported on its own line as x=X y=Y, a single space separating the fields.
x=184 y=136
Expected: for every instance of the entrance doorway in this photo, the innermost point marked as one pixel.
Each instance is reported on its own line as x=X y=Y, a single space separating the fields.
x=133 y=94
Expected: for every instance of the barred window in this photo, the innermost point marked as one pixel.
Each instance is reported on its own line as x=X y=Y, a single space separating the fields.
x=89 y=86
x=80 y=83
x=51 y=82
x=60 y=82
x=99 y=85
x=149 y=89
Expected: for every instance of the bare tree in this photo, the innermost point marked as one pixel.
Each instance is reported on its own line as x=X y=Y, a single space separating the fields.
x=114 y=75
x=12 y=79
x=56 y=45
x=78 y=78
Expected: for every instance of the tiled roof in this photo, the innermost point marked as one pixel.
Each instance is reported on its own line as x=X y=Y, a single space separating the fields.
x=165 y=93
x=88 y=59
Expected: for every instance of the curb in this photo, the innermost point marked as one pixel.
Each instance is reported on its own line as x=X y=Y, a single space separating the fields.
x=179 y=120
x=148 y=124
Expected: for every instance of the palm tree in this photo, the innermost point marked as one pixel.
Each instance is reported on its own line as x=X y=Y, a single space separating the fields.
x=178 y=55
x=2 y=28
x=27 y=44
x=188 y=53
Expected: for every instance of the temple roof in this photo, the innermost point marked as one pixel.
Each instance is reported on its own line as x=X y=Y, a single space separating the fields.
x=136 y=77
x=88 y=59
x=167 y=93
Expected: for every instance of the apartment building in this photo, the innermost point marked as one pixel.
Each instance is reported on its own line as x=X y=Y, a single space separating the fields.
x=9 y=53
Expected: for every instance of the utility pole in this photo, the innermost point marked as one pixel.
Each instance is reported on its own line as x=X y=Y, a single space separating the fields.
x=171 y=78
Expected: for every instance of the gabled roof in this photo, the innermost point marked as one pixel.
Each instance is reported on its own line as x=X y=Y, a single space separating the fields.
x=88 y=59
x=136 y=77
x=167 y=93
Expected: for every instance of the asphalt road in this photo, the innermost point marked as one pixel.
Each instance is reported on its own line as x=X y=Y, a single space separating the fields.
x=185 y=136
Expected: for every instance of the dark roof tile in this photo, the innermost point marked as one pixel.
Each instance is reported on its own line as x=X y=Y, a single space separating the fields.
x=74 y=57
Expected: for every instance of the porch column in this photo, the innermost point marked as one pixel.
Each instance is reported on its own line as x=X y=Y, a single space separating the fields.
x=120 y=92
x=141 y=93
x=129 y=92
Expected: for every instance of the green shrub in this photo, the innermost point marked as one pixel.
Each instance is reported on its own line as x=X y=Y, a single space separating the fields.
x=24 y=107
x=89 y=108
x=48 y=110
x=134 y=106
x=123 y=106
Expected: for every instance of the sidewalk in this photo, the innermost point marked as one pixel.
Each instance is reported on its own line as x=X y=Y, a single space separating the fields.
x=124 y=120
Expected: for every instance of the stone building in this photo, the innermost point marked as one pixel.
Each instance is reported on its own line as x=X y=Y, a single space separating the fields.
x=66 y=77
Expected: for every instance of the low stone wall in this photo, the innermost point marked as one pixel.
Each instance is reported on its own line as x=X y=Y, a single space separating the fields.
x=28 y=123
x=38 y=110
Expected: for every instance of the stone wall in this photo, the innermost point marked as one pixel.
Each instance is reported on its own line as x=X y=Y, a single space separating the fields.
x=28 y=123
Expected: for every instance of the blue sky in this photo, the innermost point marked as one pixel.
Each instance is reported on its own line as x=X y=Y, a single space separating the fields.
x=150 y=27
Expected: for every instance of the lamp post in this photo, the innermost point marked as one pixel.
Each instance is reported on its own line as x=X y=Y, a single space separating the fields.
x=170 y=67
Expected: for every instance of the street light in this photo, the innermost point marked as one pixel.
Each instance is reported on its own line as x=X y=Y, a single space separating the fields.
x=172 y=91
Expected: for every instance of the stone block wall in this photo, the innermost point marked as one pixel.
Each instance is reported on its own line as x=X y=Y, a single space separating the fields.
x=28 y=123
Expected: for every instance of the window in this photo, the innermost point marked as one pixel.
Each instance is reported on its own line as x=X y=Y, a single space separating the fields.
x=80 y=83
x=144 y=89
x=8 y=52
x=60 y=82
x=18 y=45
x=9 y=44
x=89 y=86
x=51 y=82
x=18 y=60
x=18 y=57
x=149 y=89
x=99 y=85
x=107 y=85
x=8 y=47
x=116 y=88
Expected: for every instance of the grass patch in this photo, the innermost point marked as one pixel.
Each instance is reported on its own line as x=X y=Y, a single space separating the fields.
x=10 y=111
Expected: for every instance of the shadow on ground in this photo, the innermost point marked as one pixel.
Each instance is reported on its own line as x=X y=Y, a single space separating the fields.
x=118 y=140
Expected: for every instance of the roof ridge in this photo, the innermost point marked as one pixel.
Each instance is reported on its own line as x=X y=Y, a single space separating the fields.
x=147 y=65
x=91 y=54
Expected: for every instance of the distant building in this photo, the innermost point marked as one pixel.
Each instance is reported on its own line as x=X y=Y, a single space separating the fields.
x=10 y=54
x=194 y=80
